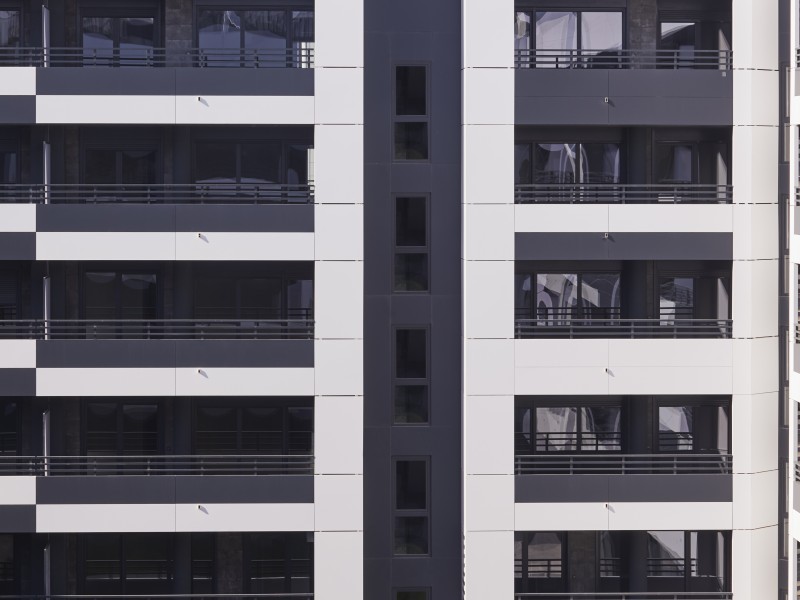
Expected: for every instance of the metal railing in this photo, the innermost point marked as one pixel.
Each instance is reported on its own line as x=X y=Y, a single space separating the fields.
x=277 y=596
x=623 y=464
x=614 y=193
x=297 y=58
x=151 y=329
x=164 y=193
x=590 y=327
x=627 y=596
x=721 y=60
x=250 y=464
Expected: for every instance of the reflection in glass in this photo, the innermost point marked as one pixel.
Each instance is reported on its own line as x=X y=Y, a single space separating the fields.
x=600 y=163
x=675 y=428
x=665 y=553
x=410 y=141
x=610 y=543
x=601 y=34
x=523 y=166
x=676 y=299
x=557 y=32
x=681 y=40
x=601 y=429
x=676 y=164
x=8 y=166
x=708 y=552
x=123 y=40
x=545 y=551
x=522 y=31
x=10 y=28
x=556 y=429
x=595 y=163
x=556 y=163
x=410 y=272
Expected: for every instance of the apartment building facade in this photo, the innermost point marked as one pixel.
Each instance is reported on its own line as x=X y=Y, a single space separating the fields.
x=390 y=301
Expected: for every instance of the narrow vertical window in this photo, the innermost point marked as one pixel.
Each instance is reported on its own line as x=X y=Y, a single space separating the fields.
x=411 y=266
x=411 y=114
x=411 y=507
x=411 y=379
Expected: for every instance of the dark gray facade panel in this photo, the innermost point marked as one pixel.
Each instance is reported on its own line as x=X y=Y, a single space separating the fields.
x=670 y=111
x=560 y=83
x=564 y=109
x=17 y=246
x=623 y=246
x=106 y=489
x=18 y=109
x=244 y=353
x=244 y=82
x=17 y=518
x=87 y=81
x=237 y=218
x=17 y=382
x=105 y=217
x=232 y=489
x=623 y=488
x=669 y=83
x=105 y=354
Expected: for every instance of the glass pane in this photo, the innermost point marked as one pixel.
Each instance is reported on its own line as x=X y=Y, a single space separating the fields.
x=411 y=485
x=259 y=299
x=665 y=553
x=411 y=595
x=411 y=272
x=101 y=429
x=675 y=164
x=523 y=421
x=708 y=558
x=601 y=429
x=7 y=563
x=676 y=299
x=279 y=563
x=98 y=39
x=600 y=163
x=148 y=563
x=410 y=535
x=140 y=429
x=301 y=430
x=601 y=33
x=556 y=297
x=600 y=295
x=262 y=430
x=216 y=430
x=557 y=34
x=103 y=558
x=261 y=163
x=679 y=37
x=411 y=90
x=203 y=549
x=219 y=29
x=8 y=432
x=100 y=166
x=299 y=164
x=8 y=167
x=675 y=428
x=411 y=353
x=139 y=296
x=265 y=32
x=411 y=141
x=99 y=291
x=300 y=298
x=522 y=164
x=410 y=404
x=411 y=222
x=544 y=556
x=610 y=554
x=10 y=28
x=136 y=39
x=556 y=429
x=215 y=162
x=522 y=31
x=555 y=163
x=214 y=298
x=138 y=166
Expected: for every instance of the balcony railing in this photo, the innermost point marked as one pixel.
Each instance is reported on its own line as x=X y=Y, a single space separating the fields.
x=589 y=327
x=159 y=329
x=624 y=464
x=251 y=464
x=279 y=596
x=627 y=596
x=623 y=59
x=613 y=193
x=297 y=58
x=166 y=193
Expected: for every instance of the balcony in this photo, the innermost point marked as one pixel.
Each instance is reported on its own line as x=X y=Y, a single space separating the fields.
x=524 y=58
x=624 y=464
x=564 y=324
x=580 y=193
x=628 y=596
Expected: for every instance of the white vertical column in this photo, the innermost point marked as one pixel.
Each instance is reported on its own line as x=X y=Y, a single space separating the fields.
x=488 y=291
x=755 y=287
x=338 y=306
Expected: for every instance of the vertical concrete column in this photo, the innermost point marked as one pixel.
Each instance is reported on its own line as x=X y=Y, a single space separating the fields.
x=339 y=293
x=642 y=24
x=488 y=310
x=755 y=288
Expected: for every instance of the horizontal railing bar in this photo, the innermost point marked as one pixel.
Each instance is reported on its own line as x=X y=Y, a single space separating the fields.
x=623 y=463
x=622 y=58
x=566 y=325
x=612 y=193
x=275 y=596
x=627 y=595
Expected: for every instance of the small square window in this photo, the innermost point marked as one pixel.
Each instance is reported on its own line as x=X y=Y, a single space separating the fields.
x=410 y=141
x=411 y=91
x=411 y=506
x=411 y=404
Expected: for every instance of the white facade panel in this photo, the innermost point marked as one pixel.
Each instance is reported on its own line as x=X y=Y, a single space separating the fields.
x=244 y=382
x=561 y=516
x=490 y=503
x=338 y=164
x=18 y=354
x=573 y=218
x=667 y=218
x=339 y=367
x=105 y=110
x=17 y=218
x=337 y=43
x=244 y=517
x=18 y=81
x=339 y=96
x=337 y=503
x=244 y=110
x=655 y=516
x=560 y=381
x=488 y=565
x=339 y=435
x=488 y=226
x=489 y=419
x=486 y=99
x=338 y=232
x=755 y=496
x=493 y=371
x=105 y=382
x=489 y=299
x=202 y=245
x=107 y=245
x=17 y=490
x=338 y=300
x=338 y=565
x=105 y=518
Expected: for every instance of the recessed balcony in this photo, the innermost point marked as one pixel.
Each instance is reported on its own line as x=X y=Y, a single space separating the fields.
x=620 y=193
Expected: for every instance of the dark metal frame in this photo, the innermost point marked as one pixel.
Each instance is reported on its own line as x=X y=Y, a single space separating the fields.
x=402 y=381
x=426 y=118
x=412 y=513
x=397 y=249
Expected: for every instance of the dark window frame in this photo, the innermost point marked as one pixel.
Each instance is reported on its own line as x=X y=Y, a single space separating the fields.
x=120 y=403
x=134 y=9
x=528 y=584
x=412 y=381
x=662 y=582
x=13 y=146
x=530 y=311
x=412 y=513
x=120 y=269
x=125 y=146
x=248 y=552
x=426 y=249
x=426 y=118
x=724 y=402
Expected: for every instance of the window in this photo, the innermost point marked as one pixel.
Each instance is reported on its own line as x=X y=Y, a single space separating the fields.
x=687 y=561
x=567 y=163
x=556 y=299
x=568 y=39
x=129 y=170
x=7 y=565
x=255 y=38
x=689 y=162
x=689 y=43
x=253 y=298
x=121 y=428
x=693 y=297
x=9 y=426
x=411 y=265
x=411 y=507
x=411 y=114
x=699 y=427
x=140 y=563
x=203 y=551
x=10 y=28
x=115 y=295
x=252 y=428
x=9 y=295
x=278 y=563
x=9 y=156
x=120 y=37
x=411 y=377
x=539 y=562
x=409 y=594
x=568 y=428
